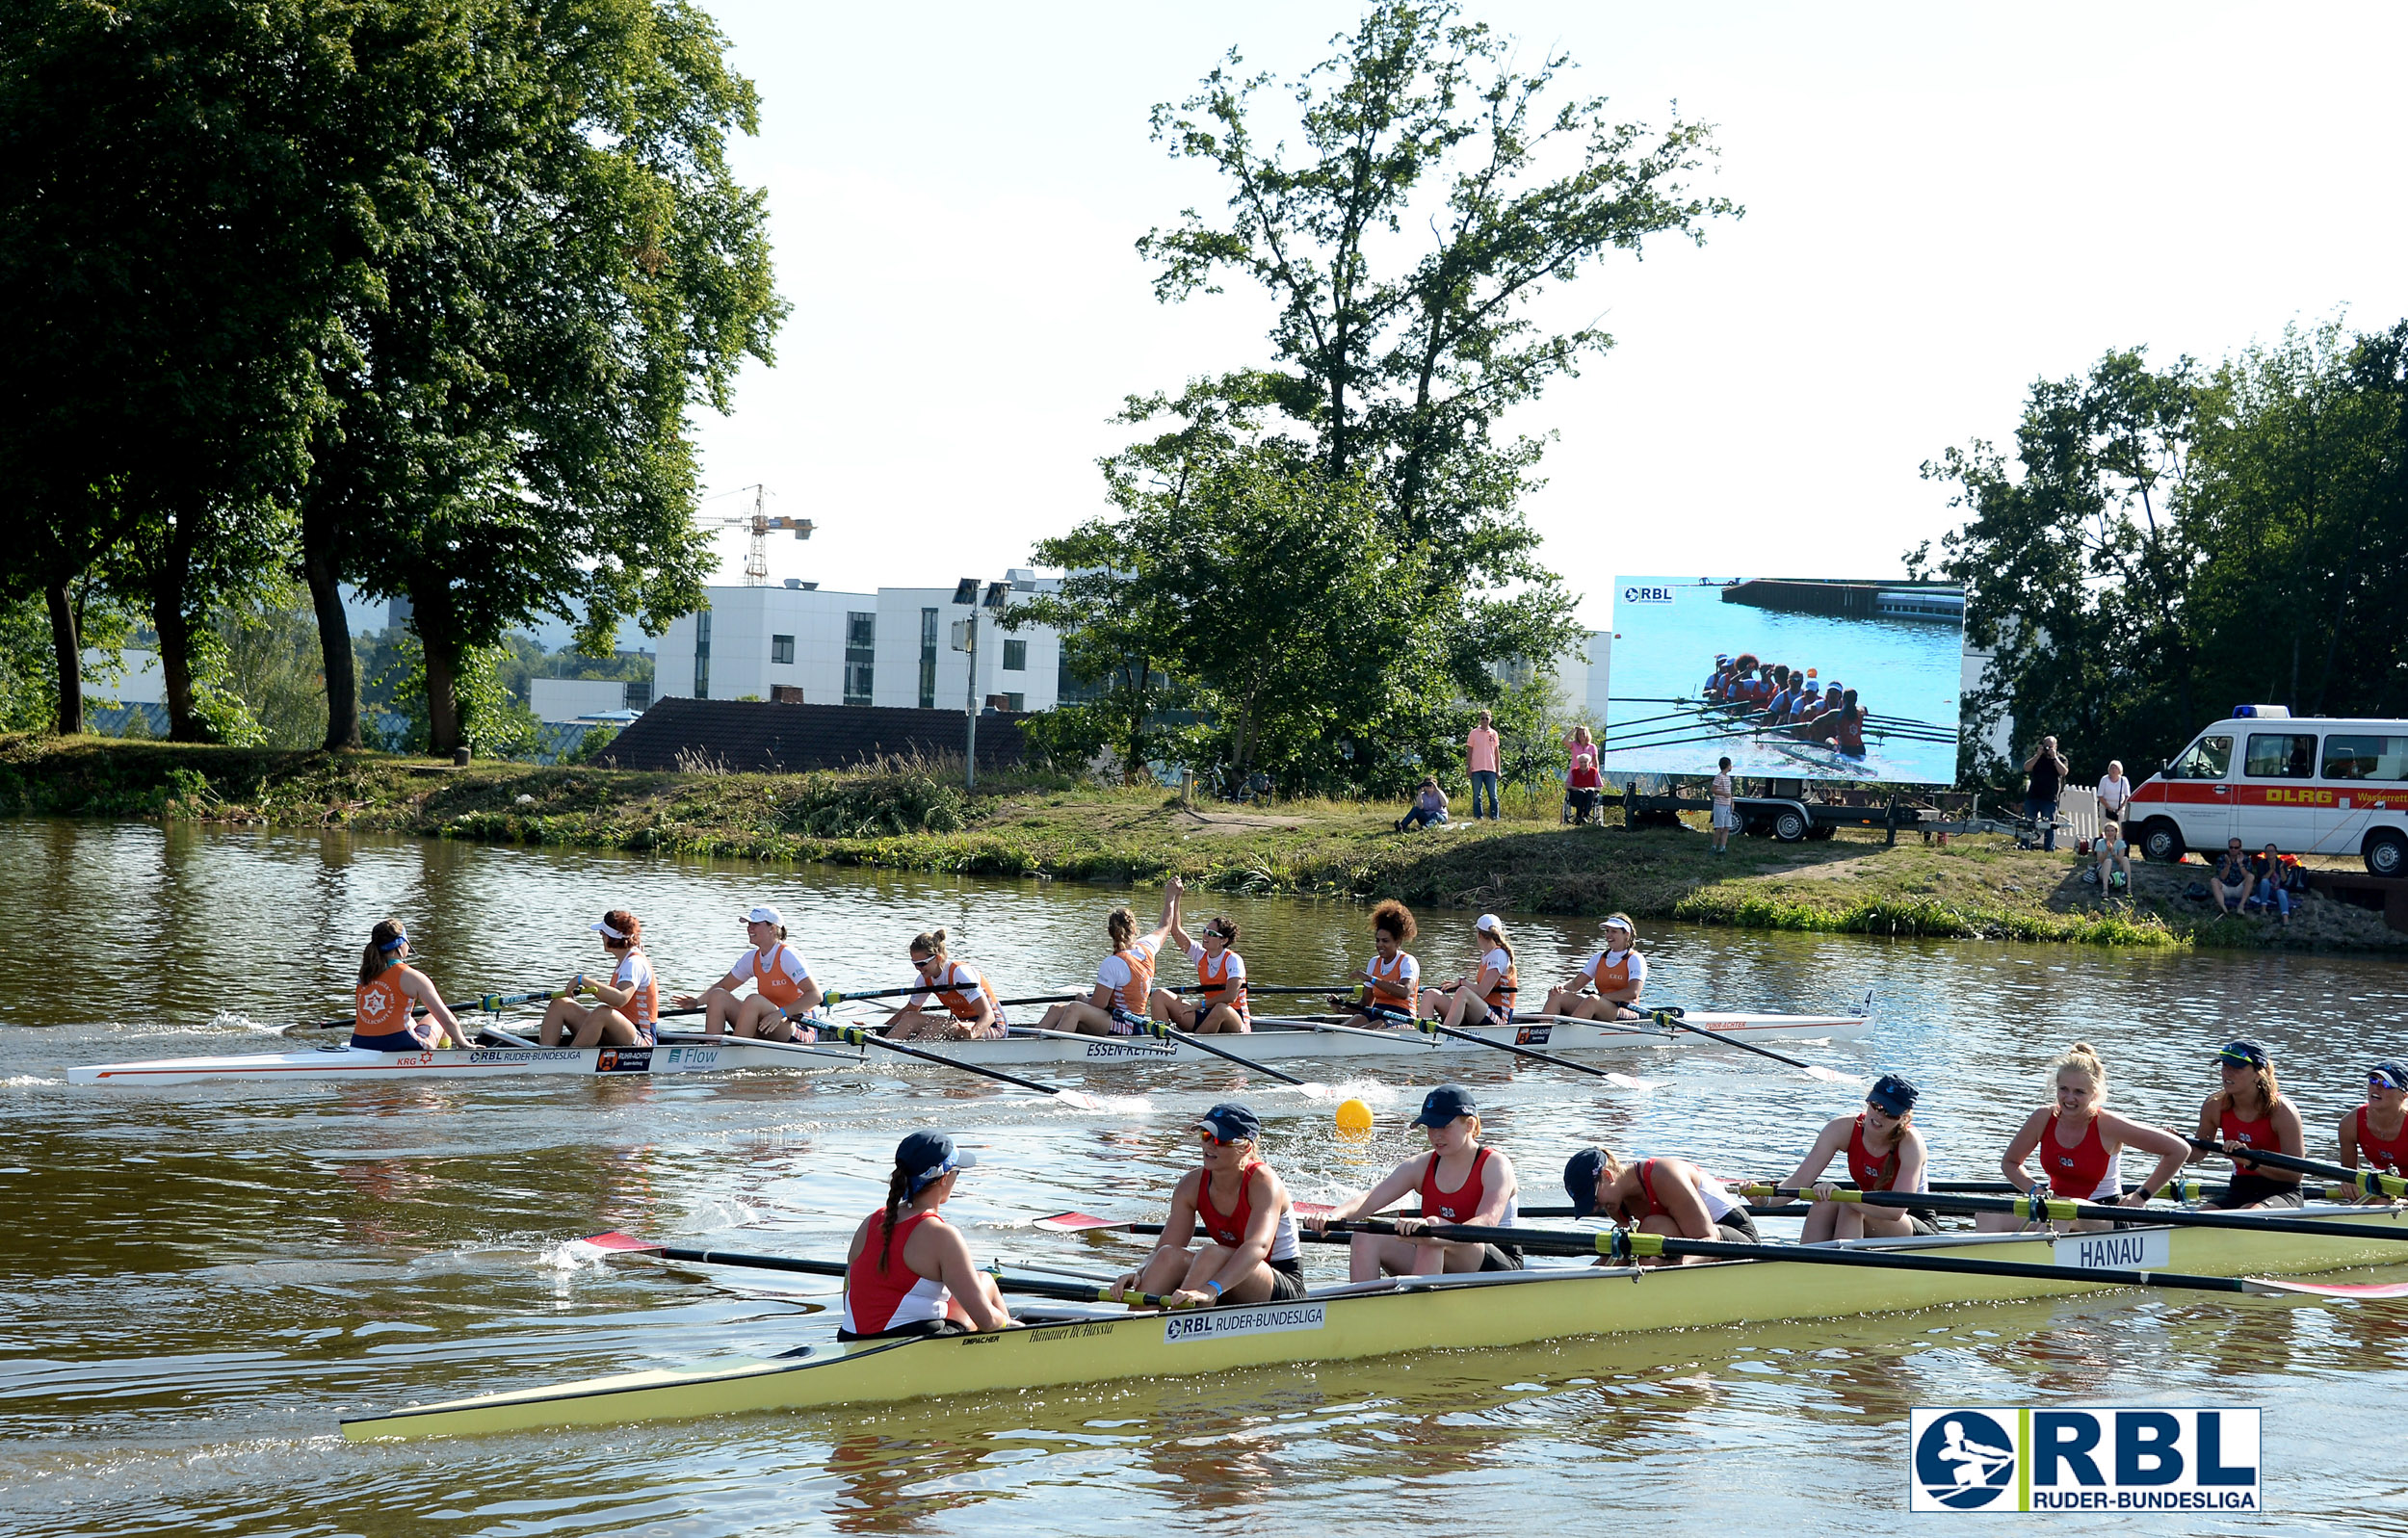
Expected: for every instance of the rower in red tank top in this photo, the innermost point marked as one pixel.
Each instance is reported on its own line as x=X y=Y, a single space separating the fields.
x=908 y=1271
x=1670 y=1197
x=2078 y=1140
x=1883 y=1152
x=2250 y=1112
x=2388 y=1155
x=1250 y=1254
x=1460 y=1182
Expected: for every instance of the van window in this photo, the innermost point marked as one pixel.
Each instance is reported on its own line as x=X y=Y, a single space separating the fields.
x=2366 y=758
x=2281 y=756
x=2207 y=760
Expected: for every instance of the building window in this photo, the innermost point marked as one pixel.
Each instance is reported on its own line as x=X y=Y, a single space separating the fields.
x=702 y=655
x=782 y=649
x=927 y=659
x=1015 y=702
x=1015 y=657
x=860 y=644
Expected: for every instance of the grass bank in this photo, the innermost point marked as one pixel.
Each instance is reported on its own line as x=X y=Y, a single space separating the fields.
x=903 y=817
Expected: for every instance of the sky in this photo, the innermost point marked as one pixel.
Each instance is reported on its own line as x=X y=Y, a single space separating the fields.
x=1943 y=204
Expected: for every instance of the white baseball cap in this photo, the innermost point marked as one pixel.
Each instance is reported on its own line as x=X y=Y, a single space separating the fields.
x=765 y=914
x=1623 y=925
x=1490 y=922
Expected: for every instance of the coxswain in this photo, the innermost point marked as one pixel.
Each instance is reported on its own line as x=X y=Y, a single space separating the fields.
x=1125 y=980
x=1219 y=1004
x=2251 y=1112
x=625 y=1008
x=1460 y=1182
x=1391 y=991
x=1885 y=1152
x=1667 y=1196
x=972 y=1012
x=909 y=1271
x=783 y=989
x=1250 y=1254
x=1617 y=974
x=2374 y=1135
x=1486 y=997
x=2080 y=1141
x=391 y=991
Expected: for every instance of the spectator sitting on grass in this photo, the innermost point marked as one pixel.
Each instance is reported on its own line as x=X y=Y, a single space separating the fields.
x=2266 y=884
x=2115 y=864
x=2230 y=885
x=1428 y=807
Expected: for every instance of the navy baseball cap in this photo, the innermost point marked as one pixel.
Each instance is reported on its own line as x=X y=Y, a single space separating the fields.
x=1229 y=1121
x=931 y=1156
x=1445 y=1103
x=1579 y=1180
x=2390 y=1073
x=2244 y=1051
x=1892 y=1094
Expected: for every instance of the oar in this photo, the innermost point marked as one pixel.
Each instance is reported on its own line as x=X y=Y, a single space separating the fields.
x=1434 y=1027
x=1669 y=1016
x=1616 y=1244
x=489 y=1003
x=1170 y=1033
x=616 y=1243
x=2054 y=1209
x=2189 y=1191
x=1087 y=1223
x=1265 y=988
x=855 y=1036
x=2373 y=1183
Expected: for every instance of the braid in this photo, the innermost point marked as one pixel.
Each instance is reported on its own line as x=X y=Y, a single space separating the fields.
x=897 y=1192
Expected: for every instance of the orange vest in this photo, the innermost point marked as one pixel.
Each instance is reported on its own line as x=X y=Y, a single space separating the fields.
x=1141 y=984
x=645 y=1007
x=1219 y=990
x=771 y=982
x=1610 y=978
x=957 y=1000
x=381 y=1005
x=1500 y=997
x=1389 y=990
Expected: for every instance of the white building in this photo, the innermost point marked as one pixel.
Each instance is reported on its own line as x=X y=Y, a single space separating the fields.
x=895 y=648
x=565 y=701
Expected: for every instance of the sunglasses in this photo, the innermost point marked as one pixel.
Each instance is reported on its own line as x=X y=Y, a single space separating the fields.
x=2382 y=1082
x=1205 y=1139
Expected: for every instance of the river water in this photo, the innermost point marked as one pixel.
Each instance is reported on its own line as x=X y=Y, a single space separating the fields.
x=200 y=1281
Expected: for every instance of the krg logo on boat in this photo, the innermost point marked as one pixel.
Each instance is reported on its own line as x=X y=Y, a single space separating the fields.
x=1635 y=594
x=2136 y=1458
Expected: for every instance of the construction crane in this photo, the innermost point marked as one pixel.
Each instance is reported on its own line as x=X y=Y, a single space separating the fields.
x=757 y=524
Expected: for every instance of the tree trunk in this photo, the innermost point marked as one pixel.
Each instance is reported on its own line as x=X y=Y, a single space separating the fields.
x=67 y=649
x=335 y=634
x=437 y=642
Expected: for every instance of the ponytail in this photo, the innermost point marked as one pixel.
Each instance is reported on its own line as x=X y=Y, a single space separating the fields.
x=897 y=1192
x=383 y=940
x=1122 y=926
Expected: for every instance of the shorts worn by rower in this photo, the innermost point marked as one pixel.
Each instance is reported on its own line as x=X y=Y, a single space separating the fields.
x=391 y=992
x=1125 y=980
x=1486 y=997
x=972 y=1009
x=1885 y=1152
x=2251 y=1112
x=1460 y=1182
x=627 y=1006
x=1250 y=1253
x=2079 y=1141
x=1220 y=1006
x=908 y=1272
x=2374 y=1135
x=1608 y=985
x=784 y=993
x=1390 y=979
x=1667 y=1196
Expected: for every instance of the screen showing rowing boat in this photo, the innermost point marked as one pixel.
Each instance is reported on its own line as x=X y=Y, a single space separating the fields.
x=1787 y=677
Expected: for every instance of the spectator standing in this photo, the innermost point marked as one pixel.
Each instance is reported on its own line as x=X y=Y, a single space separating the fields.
x=2230 y=885
x=1726 y=807
x=1479 y=756
x=2115 y=793
x=1584 y=783
x=2269 y=884
x=2046 y=768
x=1428 y=807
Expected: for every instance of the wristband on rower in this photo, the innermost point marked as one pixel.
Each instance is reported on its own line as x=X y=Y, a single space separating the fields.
x=1215 y=1284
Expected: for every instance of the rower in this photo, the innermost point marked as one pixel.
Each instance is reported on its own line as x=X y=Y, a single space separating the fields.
x=389 y=988
x=972 y=1011
x=1885 y=1152
x=1389 y=995
x=1219 y=1003
x=2374 y=1135
x=1617 y=974
x=1819 y=719
x=1668 y=1196
x=1250 y=1254
x=627 y=1004
x=1124 y=982
x=1460 y=1182
x=783 y=989
x=910 y=1272
x=2080 y=1141
x=2250 y=1112
x=1717 y=680
x=1488 y=997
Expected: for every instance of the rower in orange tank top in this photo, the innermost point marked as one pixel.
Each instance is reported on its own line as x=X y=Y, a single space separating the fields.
x=390 y=991
x=783 y=989
x=627 y=1003
x=973 y=1012
x=1484 y=998
x=1391 y=993
x=1124 y=983
x=1219 y=1003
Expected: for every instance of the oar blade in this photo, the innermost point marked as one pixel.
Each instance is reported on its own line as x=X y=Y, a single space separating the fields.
x=1832 y=1076
x=1626 y=1082
x=1079 y=1223
x=2357 y=1291
x=613 y=1243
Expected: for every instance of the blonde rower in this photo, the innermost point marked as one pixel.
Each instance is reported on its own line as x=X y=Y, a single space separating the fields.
x=1124 y=982
x=1250 y=1253
x=1389 y=979
x=2080 y=1141
x=1219 y=1004
x=2251 y=1112
x=972 y=1011
x=1460 y=1182
x=1488 y=997
x=1885 y=1152
x=783 y=989
x=388 y=987
x=1618 y=974
x=627 y=1006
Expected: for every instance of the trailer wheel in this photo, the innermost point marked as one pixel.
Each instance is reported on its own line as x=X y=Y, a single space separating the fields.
x=1789 y=824
x=2161 y=842
x=2386 y=852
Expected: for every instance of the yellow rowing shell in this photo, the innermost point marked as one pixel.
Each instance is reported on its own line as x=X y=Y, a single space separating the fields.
x=1496 y=1309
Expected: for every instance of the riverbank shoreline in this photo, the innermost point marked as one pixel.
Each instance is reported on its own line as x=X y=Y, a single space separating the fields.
x=904 y=817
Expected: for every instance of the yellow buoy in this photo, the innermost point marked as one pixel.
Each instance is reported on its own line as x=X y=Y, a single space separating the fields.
x=1354 y=1116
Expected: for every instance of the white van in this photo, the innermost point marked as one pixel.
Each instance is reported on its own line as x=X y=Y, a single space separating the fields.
x=2307 y=785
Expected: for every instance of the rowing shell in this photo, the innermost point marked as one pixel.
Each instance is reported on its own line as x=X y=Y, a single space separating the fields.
x=1269 y=1042
x=1379 y=1319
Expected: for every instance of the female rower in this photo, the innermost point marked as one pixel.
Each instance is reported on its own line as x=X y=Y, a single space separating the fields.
x=1885 y=1152
x=1124 y=982
x=972 y=1011
x=388 y=987
x=1219 y=1003
x=1460 y=1182
x=2251 y=1112
x=1389 y=991
x=783 y=988
x=1249 y=1249
x=1488 y=998
x=2080 y=1141
x=1618 y=974
x=1668 y=1196
x=909 y=1271
x=627 y=1004
x=2375 y=1135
